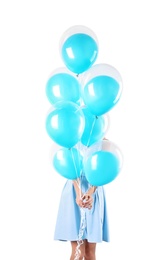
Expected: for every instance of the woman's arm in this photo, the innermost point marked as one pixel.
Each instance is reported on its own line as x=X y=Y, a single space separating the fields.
x=91 y=190
x=76 y=184
x=79 y=200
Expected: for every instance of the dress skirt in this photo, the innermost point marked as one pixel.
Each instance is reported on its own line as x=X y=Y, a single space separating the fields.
x=67 y=225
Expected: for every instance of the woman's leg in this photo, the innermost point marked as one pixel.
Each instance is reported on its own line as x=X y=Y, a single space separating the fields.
x=82 y=250
x=90 y=251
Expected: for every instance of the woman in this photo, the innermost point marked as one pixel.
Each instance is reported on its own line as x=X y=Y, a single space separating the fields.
x=79 y=197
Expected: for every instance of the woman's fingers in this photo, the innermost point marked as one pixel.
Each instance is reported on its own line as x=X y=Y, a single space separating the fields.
x=79 y=202
x=87 y=200
x=86 y=197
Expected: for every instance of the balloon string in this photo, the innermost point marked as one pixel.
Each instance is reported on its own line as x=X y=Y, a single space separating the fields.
x=92 y=130
x=77 y=180
x=82 y=211
x=80 y=235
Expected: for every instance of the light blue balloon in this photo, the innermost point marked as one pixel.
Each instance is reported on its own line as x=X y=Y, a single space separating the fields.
x=101 y=168
x=101 y=94
x=79 y=52
x=94 y=129
x=63 y=87
x=65 y=124
x=68 y=163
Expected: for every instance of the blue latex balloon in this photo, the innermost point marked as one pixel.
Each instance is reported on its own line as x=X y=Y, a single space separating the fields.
x=95 y=128
x=101 y=94
x=63 y=87
x=101 y=168
x=65 y=124
x=79 y=52
x=68 y=163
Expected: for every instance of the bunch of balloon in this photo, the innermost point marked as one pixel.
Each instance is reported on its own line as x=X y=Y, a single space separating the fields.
x=81 y=94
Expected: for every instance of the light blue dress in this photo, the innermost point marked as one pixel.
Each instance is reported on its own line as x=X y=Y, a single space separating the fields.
x=69 y=216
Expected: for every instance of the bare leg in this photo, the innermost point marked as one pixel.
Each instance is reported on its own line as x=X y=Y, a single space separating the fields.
x=90 y=250
x=82 y=249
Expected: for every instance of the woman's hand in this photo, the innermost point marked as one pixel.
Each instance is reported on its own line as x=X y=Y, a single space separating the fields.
x=88 y=197
x=87 y=200
x=79 y=201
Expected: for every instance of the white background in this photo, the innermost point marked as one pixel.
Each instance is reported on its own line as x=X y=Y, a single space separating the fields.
x=128 y=34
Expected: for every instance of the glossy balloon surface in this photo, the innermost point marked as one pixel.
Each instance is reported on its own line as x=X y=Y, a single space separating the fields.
x=101 y=168
x=65 y=123
x=68 y=163
x=79 y=52
x=95 y=127
x=63 y=86
x=101 y=94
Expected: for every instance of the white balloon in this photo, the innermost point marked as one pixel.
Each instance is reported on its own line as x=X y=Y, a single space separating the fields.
x=111 y=147
x=104 y=145
x=62 y=70
x=74 y=30
x=107 y=122
x=101 y=69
